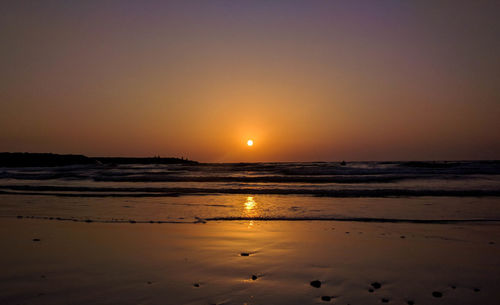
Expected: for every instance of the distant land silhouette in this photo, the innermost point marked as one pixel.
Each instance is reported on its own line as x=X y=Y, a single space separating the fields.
x=17 y=159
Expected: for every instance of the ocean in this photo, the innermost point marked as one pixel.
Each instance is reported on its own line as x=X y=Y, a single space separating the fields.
x=445 y=191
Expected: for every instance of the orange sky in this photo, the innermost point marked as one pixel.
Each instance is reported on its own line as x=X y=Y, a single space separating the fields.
x=306 y=80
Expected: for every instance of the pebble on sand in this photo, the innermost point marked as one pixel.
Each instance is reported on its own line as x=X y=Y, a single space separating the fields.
x=36 y=239
x=326 y=298
x=376 y=285
x=477 y=289
x=132 y=221
x=254 y=277
x=411 y=303
x=437 y=294
x=316 y=284
x=384 y=300
x=196 y=285
x=244 y=254
x=371 y=290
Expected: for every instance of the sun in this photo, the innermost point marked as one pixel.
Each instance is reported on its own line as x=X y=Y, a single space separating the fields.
x=250 y=142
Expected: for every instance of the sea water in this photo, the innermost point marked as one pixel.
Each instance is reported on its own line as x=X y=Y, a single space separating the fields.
x=446 y=191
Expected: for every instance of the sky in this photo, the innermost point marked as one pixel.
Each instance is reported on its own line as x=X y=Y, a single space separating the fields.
x=305 y=80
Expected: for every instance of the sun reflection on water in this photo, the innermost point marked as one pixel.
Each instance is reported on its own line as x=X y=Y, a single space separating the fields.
x=250 y=203
x=250 y=209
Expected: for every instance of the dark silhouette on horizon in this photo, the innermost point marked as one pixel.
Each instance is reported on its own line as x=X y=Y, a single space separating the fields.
x=17 y=159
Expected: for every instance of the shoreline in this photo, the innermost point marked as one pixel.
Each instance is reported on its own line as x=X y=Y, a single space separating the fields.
x=265 y=219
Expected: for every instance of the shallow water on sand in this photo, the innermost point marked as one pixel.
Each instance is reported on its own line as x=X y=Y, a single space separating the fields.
x=258 y=207
x=80 y=263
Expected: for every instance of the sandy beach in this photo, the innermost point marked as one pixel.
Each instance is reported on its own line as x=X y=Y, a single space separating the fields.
x=248 y=262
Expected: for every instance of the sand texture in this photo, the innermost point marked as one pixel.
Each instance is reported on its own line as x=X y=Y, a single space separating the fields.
x=242 y=262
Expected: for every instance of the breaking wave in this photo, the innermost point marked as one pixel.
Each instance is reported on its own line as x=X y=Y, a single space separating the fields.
x=82 y=191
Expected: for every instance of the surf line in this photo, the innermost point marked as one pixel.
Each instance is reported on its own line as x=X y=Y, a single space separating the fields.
x=198 y=220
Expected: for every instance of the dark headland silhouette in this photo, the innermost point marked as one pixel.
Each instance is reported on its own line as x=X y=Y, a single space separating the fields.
x=47 y=159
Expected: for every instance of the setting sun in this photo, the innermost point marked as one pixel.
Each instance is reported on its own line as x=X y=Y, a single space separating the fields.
x=250 y=142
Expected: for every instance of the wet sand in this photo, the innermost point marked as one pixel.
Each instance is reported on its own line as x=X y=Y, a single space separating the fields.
x=238 y=262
